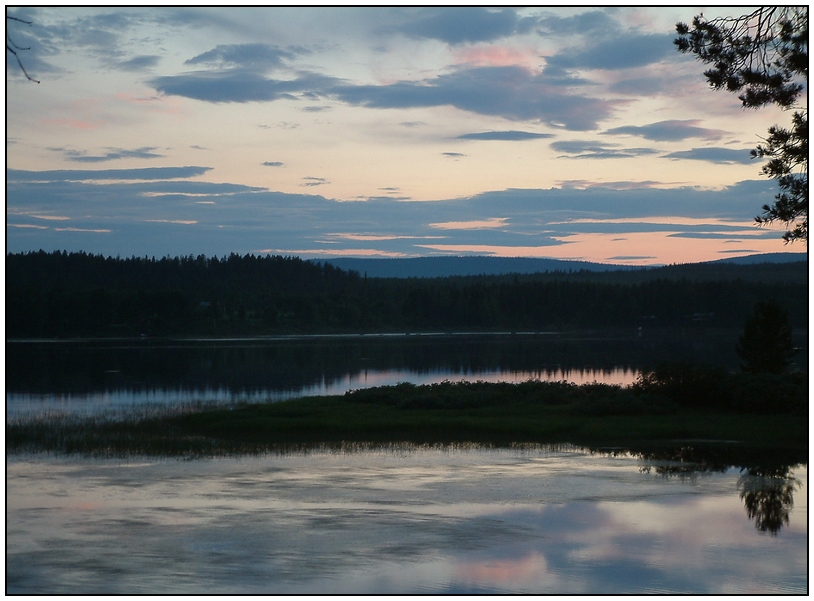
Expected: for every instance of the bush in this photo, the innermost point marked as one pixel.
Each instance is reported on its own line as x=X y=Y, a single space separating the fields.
x=688 y=384
x=771 y=393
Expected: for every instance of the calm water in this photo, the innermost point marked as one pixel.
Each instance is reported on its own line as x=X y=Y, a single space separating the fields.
x=403 y=521
x=109 y=376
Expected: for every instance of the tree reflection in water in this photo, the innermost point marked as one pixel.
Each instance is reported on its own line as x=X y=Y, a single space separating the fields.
x=768 y=495
x=766 y=485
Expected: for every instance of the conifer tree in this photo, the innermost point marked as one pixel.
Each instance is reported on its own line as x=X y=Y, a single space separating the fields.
x=763 y=56
x=766 y=344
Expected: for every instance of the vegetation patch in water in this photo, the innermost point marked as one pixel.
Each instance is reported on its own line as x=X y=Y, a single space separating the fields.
x=691 y=402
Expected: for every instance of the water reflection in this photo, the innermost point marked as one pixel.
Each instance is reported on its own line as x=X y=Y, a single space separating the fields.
x=83 y=376
x=766 y=484
x=420 y=520
x=768 y=495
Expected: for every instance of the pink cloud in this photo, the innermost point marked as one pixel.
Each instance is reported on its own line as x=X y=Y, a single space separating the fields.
x=84 y=113
x=498 y=56
x=168 y=105
x=73 y=123
x=483 y=224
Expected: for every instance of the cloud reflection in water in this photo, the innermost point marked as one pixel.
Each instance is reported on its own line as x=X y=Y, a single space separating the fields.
x=392 y=521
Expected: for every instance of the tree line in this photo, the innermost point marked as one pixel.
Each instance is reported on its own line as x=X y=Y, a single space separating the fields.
x=62 y=294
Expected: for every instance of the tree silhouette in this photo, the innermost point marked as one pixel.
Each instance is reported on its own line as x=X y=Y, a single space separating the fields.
x=764 y=56
x=14 y=48
x=766 y=344
x=768 y=496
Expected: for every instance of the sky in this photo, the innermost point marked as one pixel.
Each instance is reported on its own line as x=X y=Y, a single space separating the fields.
x=570 y=133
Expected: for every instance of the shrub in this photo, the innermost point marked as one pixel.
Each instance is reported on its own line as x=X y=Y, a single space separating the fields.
x=771 y=393
x=688 y=384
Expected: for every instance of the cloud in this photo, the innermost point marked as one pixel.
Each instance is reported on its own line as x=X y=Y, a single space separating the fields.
x=27 y=226
x=113 y=154
x=592 y=150
x=139 y=63
x=236 y=85
x=243 y=56
x=492 y=222
x=84 y=230
x=586 y=184
x=453 y=155
x=494 y=250
x=617 y=200
x=498 y=55
x=98 y=35
x=631 y=258
x=509 y=92
x=174 y=221
x=511 y=135
x=236 y=218
x=669 y=131
x=624 y=51
x=314 y=181
x=748 y=234
x=195 y=189
x=377 y=237
x=722 y=156
x=457 y=25
x=652 y=85
x=38 y=47
x=273 y=164
x=591 y=22
x=643 y=224
x=48 y=217
x=344 y=252
x=20 y=175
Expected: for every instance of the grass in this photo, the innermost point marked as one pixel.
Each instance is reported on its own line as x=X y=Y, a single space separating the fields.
x=498 y=414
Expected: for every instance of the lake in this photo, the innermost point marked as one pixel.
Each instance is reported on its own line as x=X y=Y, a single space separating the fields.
x=558 y=520
x=399 y=519
x=88 y=377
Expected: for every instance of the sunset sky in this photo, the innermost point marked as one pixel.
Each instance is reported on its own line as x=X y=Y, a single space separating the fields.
x=571 y=133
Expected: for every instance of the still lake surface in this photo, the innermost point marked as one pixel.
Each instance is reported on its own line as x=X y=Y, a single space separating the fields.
x=395 y=520
x=398 y=520
x=89 y=377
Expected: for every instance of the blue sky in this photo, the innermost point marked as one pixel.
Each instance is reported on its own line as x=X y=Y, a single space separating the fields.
x=574 y=133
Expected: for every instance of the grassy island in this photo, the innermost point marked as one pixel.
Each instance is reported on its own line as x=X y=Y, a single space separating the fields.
x=680 y=403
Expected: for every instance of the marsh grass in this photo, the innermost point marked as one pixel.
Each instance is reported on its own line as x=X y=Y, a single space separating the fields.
x=449 y=413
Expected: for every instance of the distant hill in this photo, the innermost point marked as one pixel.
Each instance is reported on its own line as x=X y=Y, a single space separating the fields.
x=438 y=267
x=765 y=258
x=435 y=267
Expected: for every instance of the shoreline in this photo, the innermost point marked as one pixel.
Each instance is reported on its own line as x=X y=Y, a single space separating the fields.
x=498 y=414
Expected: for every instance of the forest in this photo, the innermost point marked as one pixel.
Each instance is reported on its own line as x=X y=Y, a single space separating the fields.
x=60 y=294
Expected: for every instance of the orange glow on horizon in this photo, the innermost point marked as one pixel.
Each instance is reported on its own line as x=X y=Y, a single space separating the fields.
x=632 y=248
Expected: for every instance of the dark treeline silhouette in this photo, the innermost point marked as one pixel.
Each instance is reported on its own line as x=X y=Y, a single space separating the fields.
x=64 y=294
